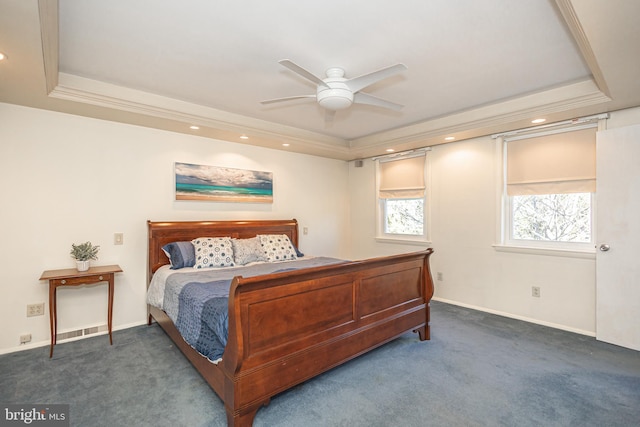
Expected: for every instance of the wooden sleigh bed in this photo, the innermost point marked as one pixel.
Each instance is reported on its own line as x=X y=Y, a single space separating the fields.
x=285 y=328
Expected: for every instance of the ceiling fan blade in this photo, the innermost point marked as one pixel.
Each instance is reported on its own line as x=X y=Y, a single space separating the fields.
x=365 y=98
x=357 y=83
x=288 y=98
x=301 y=71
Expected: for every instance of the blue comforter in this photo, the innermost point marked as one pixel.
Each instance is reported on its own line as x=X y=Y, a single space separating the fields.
x=198 y=302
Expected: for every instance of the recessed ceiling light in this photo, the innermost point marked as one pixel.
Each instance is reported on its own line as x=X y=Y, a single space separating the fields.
x=194 y=127
x=285 y=144
x=535 y=121
x=2 y=56
x=450 y=138
x=244 y=137
x=390 y=150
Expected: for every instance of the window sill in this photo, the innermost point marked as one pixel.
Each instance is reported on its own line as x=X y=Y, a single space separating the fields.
x=568 y=253
x=400 y=241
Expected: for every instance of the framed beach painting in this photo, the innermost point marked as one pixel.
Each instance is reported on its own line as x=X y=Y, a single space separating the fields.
x=218 y=184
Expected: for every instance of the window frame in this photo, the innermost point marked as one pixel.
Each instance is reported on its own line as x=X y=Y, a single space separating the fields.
x=504 y=221
x=412 y=239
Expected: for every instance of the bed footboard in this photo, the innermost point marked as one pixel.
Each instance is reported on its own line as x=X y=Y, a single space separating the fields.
x=288 y=327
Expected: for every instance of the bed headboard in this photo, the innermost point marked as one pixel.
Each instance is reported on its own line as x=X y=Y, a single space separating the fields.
x=161 y=233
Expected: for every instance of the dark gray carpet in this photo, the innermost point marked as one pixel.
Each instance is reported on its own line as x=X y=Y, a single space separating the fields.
x=477 y=370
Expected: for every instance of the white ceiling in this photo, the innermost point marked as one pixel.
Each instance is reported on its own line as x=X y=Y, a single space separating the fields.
x=474 y=67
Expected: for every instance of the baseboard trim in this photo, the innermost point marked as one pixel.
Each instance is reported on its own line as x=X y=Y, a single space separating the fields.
x=517 y=317
x=47 y=342
x=444 y=300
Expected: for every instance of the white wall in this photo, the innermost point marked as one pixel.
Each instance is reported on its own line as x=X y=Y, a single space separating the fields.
x=68 y=179
x=464 y=221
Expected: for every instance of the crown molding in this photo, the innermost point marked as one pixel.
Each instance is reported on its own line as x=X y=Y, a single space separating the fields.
x=79 y=89
x=581 y=94
x=577 y=31
x=48 y=10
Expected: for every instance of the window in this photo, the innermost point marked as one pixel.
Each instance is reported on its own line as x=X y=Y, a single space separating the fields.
x=552 y=217
x=404 y=216
x=402 y=198
x=550 y=188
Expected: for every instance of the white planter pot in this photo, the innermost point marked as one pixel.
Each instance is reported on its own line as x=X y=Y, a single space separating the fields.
x=83 y=265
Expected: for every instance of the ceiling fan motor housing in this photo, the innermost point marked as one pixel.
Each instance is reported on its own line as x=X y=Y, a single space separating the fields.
x=337 y=96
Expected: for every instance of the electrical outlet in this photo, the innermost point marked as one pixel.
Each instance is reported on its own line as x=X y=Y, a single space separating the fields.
x=25 y=338
x=35 y=309
x=535 y=291
x=439 y=276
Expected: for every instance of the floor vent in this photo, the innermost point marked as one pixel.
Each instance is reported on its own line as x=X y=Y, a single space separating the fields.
x=81 y=332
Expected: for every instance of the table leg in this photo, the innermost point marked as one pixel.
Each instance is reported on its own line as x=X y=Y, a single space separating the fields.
x=53 y=321
x=110 y=315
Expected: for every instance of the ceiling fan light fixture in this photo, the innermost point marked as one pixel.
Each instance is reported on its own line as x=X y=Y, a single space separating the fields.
x=335 y=98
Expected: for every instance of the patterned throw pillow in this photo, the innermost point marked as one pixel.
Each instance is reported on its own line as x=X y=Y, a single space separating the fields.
x=213 y=252
x=277 y=247
x=180 y=254
x=247 y=250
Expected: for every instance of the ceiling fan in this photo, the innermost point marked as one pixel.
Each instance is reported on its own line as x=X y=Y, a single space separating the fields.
x=335 y=92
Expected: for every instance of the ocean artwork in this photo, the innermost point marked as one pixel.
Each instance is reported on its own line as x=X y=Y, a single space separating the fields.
x=218 y=184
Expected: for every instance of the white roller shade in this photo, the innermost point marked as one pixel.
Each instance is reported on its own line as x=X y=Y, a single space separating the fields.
x=552 y=164
x=402 y=178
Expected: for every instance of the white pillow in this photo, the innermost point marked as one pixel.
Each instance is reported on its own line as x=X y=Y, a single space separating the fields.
x=247 y=250
x=213 y=252
x=277 y=247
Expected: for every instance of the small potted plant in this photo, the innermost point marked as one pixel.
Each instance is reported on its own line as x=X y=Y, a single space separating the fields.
x=83 y=253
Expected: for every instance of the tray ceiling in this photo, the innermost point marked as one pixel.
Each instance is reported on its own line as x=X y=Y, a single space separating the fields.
x=474 y=67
